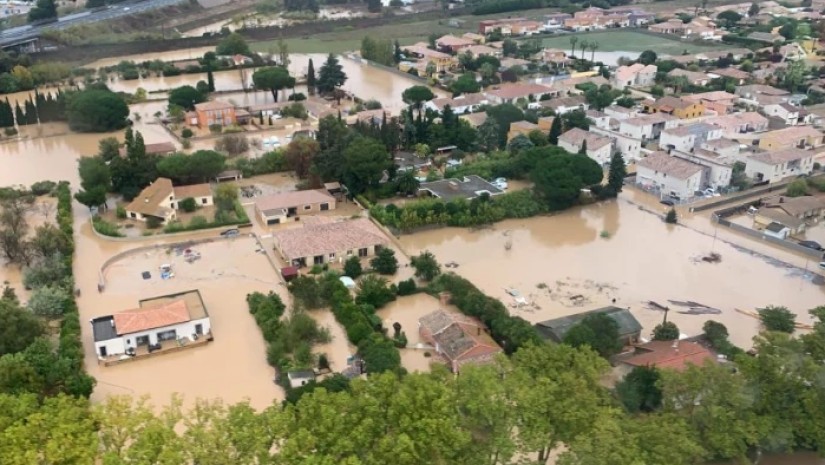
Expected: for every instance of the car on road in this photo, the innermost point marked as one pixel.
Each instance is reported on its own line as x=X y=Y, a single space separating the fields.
x=501 y=183
x=811 y=245
x=669 y=203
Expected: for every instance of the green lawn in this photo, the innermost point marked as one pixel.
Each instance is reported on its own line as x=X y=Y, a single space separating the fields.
x=629 y=41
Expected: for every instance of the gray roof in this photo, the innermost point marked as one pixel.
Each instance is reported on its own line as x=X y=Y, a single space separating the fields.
x=775 y=227
x=103 y=328
x=557 y=328
x=467 y=188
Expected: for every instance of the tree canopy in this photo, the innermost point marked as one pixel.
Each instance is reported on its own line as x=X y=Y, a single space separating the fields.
x=96 y=110
x=331 y=75
x=233 y=44
x=186 y=97
x=273 y=79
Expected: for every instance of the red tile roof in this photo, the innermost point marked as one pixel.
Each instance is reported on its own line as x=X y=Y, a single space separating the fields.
x=676 y=355
x=142 y=319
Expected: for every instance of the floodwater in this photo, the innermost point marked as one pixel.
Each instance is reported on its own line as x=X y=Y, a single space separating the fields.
x=338 y=350
x=233 y=367
x=563 y=265
x=254 y=21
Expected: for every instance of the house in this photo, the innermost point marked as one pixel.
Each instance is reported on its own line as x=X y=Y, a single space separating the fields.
x=680 y=108
x=555 y=20
x=804 y=208
x=475 y=119
x=630 y=329
x=174 y=318
x=469 y=187
x=300 y=378
x=687 y=138
x=718 y=169
x=476 y=51
x=160 y=200
x=554 y=55
x=476 y=38
x=777 y=230
x=599 y=148
x=635 y=75
x=719 y=101
x=776 y=165
x=452 y=44
x=509 y=26
x=408 y=161
x=672 y=26
x=739 y=77
x=760 y=94
x=667 y=355
x=458 y=339
x=765 y=217
x=767 y=37
x=521 y=128
x=289 y=206
x=692 y=77
x=736 y=124
x=647 y=127
x=215 y=112
x=802 y=137
x=621 y=113
x=441 y=61
x=510 y=93
x=465 y=103
x=329 y=242
x=669 y=175
x=787 y=113
x=562 y=105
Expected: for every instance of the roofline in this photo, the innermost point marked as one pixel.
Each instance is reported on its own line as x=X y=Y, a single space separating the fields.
x=179 y=294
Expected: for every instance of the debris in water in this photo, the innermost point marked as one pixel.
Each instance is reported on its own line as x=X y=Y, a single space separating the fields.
x=712 y=257
x=657 y=306
x=700 y=311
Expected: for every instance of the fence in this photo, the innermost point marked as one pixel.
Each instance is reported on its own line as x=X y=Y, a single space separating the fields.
x=745 y=194
x=815 y=254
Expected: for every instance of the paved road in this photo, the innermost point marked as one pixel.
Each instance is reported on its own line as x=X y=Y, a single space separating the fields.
x=126 y=8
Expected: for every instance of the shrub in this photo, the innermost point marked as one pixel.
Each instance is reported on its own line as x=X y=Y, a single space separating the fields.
x=104 y=227
x=48 y=301
x=384 y=261
x=153 y=222
x=777 y=319
x=188 y=205
x=120 y=212
x=352 y=267
x=297 y=97
x=667 y=331
x=373 y=290
x=233 y=144
x=198 y=222
x=43 y=187
x=215 y=128
x=671 y=217
x=186 y=133
x=407 y=287
x=797 y=188
x=426 y=266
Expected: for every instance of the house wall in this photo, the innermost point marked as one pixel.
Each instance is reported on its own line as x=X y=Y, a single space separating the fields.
x=120 y=344
x=683 y=188
x=300 y=210
x=629 y=147
x=775 y=173
x=140 y=217
x=202 y=201
x=225 y=117
x=602 y=155
x=336 y=257
x=760 y=222
x=681 y=143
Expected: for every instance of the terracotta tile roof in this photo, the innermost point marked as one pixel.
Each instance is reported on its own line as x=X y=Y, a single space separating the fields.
x=320 y=239
x=142 y=319
x=149 y=200
x=516 y=90
x=460 y=101
x=793 y=133
x=715 y=96
x=285 y=200
x=452 y=41
x=194 y=191
x=577 y=136
x=796 y=206
x=670 y=102
x=213 y=105
x=672 y=166
x=458 y=336
x=777 y=157
x=675 y=355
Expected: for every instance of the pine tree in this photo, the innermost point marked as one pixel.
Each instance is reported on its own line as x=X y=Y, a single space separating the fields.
x=210 y=79
x=138 y=148
x=19 y=116
x=311 y=78
x=555 y=131
x=397 y=53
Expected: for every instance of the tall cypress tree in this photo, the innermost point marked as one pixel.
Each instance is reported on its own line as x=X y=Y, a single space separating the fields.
x=6 y=114
x=555 y=131
x=311 y=78
x=210 y=79
x=31 y=112
x=19 y=115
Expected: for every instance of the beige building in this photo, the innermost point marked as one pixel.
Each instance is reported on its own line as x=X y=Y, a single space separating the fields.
x=289 y=206
x=316 y=244
x=802 y=137
x=160 y=200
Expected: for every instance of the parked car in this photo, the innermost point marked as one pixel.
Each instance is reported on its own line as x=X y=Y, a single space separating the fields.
x=811 y=245
x=709 y=192
x=234 y=232
x=669 y=203
x=501 y=183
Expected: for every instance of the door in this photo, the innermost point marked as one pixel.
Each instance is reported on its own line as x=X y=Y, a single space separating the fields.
x=273 y=221
x=103 y=352
x=142 y=340
x=198 y=328
x=292 y=211
x=324 y=207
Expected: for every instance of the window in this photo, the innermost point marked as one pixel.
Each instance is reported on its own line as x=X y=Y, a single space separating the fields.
x=204 y=200
x=318 y=260
x=307 y=207
x=349 y=253
x=332 y=256
x=362 y=252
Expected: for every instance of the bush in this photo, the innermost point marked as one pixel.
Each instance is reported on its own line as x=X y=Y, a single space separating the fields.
x=53 y=270
x=233 y=144
x=153 y=222
x=352 y=267
x=777 y=319
x=188 y=205
x=43 y=187
x=373 y=290
x=215 y=128
x=104 y=227
x=96 y=110
x=186 y=133
x=667 y=331
x=426 y=266
x=671 y=217
x=384 y=261
x=198 y=222
x=797 y=188
x=407 y=287
x=48 y=301
x=120 y=212
x=297 y=97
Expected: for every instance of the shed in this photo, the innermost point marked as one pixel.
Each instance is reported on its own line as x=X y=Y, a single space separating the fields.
x=300 y=378
x=629 y=327
x=777 y=230
x=289 y=273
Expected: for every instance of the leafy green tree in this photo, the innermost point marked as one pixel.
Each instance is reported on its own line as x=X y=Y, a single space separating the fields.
x=48 y=301
x=300 y=154
x=489 y=135
x=465 y=84
x=18 y=327
x=186 y=97
x=365 y=160
x=555 y=131
x=639 y=390
x=503 y=115
x=331 y=75
x=379 y=354
x=538 y=138
x=426 y=266
x=43 y=9
x=94 y=110
x=648 y=57
x=597 y=331
x=754 y=9
x=407 y=183
x=273 y=79
x=776 y=318
x=558 y=180
x=233 y=44
x=200 y=166
x=797 y=188
x=352 y=267
x=188 y=205
x=667 y=331
x=374 y=290
x=415 y=96
x=729 y=18
x=384 y=261
x=671 y=217
x=94 y=197
x=519 y=143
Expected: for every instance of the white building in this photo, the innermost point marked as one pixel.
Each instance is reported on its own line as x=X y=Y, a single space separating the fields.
x=166 y=318
x=779 y=164
x=599 y=148
x=687 y=138
x=718 y=169
x=647 y=127
x=635 y=75
x=466 y=103
x=671 y=176
x=787 y=113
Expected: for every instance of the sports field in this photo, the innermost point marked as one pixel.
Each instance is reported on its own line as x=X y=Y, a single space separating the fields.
x=629 y=41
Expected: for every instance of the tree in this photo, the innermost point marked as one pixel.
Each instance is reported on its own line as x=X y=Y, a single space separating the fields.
x=558 y=179
x=94 y=110
x=384 y=261
x=311 y=78
x=616 y=174
x=639 y=392
x=397 y=56
x=201 y=166
x=671 y=217
x=331 y=75
x=555 y=131
x=504 y=115
x=538 y=138
x=426 y=266
x=188 y=205
x=48 y=301
x=365 y=160
x=465 y=84
x=23 y=76
x=300 y=154
x=598 y=331
x=407 y=183
x=233 y=44
x=648 y=57
x=488 y=135
x=729 y=18
x=352 y=267
x=273 y=79
x=379 y=354
x=573 y=40
x=43 y=9
x=753 y=10
x=225 y=197
x=519 y=143
x=415 y=96
x=667 y=331
x=374 y=290
x=48 y=241
x=186 y=97
x=18 y=327
x=797 y=188
x=777 y=319
x=374 y=6
x=14 y=228
x=94 y=172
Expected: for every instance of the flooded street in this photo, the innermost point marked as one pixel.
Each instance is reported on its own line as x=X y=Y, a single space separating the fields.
x=563 y=265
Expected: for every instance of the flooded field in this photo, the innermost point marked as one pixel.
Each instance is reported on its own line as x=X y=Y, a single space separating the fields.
x=564 y=264
x=233 y=367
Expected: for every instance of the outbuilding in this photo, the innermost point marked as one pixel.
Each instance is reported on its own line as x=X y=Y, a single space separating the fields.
x=288 y=206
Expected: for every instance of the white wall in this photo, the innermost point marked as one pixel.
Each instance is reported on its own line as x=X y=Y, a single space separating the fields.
x=681 y=143
x=120 y=344
x=683 y=188
x=774 y=173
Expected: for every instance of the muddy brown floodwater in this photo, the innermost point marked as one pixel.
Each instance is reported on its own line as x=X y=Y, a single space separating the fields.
x=563 y=265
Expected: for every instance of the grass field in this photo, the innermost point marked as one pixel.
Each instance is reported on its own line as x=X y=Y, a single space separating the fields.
x=629 y=41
